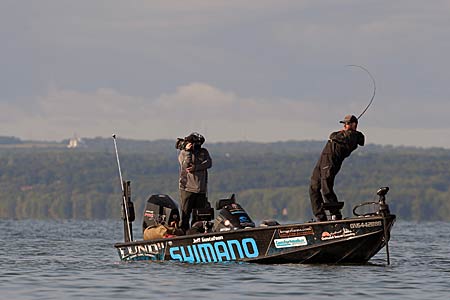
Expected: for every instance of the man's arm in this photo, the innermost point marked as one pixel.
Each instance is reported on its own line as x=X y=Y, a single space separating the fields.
x=361 y=138
x=339 y=137
x=206 y=163
x=186 y=159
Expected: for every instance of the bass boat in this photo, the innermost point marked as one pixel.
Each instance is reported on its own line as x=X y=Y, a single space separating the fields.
x=233 y=236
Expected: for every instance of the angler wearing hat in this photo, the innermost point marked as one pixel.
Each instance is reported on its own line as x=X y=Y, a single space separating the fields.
x=339 y=146
x=194 y=164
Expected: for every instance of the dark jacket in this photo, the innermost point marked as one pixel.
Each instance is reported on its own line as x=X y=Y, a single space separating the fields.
x=339 y=146
x=195 y=181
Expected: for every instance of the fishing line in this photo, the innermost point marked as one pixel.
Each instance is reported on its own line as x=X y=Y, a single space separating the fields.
x=374 y=87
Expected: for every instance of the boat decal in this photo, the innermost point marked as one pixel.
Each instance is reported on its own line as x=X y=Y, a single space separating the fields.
x=290 y=242
x=366 y=224
x=295 y=231
x=207 y=239
x=337 y=234
x=148 y=251
x=215 y=251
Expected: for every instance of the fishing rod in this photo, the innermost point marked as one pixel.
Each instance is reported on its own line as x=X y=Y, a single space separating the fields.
x=128 y=235
x=374 y=87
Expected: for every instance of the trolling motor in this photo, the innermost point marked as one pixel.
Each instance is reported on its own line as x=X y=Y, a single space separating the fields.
x=128 y=214
x=384 y=208
x=384 y=211
x=377 y=207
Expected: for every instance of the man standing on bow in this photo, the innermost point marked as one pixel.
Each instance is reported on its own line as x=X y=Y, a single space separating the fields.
x=339 y=146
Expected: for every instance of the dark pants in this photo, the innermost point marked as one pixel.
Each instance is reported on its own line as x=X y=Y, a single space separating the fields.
x=189 y=201
x=321 y=189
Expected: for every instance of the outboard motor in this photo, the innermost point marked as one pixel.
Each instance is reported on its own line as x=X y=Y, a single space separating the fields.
x=160 y=209
x=231 y=216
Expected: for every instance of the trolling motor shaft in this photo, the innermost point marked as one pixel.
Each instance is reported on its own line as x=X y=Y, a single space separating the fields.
x=384 y=211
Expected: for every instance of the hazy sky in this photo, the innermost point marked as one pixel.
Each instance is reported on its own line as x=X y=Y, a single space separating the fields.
x=233 y=70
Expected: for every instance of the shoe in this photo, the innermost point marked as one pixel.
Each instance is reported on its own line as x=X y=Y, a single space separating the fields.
x=321 y=218
x=336 y=217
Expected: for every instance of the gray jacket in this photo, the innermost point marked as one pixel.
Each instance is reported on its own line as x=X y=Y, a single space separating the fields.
x=195 y=181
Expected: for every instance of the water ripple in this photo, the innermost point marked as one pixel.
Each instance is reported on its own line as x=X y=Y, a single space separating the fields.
x=76 y=260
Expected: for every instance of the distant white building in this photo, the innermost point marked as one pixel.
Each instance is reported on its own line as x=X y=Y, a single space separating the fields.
x=76 y=142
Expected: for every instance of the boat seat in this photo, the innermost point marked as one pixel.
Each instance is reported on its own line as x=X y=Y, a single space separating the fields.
x=202 y=214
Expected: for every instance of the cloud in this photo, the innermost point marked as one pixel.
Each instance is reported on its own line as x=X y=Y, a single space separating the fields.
x=220 y=115
x=196 y=106
x=196 y=100
x=237 y=70
x=422 y=137
x=205 y=102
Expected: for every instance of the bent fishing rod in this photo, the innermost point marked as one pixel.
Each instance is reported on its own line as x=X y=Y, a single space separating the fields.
x=124 y=198
x=374 y=88
x=381 y=192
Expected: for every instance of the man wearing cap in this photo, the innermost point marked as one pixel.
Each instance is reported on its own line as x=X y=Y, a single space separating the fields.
x=339 y=146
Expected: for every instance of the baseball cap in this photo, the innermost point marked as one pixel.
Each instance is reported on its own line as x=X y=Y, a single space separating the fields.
x=349 y=119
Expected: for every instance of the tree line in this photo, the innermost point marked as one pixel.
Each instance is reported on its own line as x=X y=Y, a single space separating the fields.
x=270 y=180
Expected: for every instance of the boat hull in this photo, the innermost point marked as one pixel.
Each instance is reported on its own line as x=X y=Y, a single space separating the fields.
x=353 y=240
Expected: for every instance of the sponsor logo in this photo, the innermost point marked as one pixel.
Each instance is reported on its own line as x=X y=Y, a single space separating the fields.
x=216 y=251
x=150 y=251
x=366 y=224
x=149 y=214
x=295 y=231
x=291 y=242
x=207 y=239
x=244 y=219
x=337 y=234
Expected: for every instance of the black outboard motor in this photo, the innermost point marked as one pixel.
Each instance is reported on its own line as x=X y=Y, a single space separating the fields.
x=231 y=216
x=160 y=209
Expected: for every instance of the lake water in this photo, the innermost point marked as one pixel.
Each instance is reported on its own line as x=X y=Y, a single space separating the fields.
x=77 y=260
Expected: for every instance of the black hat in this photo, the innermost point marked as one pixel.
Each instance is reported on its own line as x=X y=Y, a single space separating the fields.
x=195 y=138
x=349 y=119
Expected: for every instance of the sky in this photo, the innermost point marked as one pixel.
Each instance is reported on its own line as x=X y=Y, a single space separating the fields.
x=233 y=70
